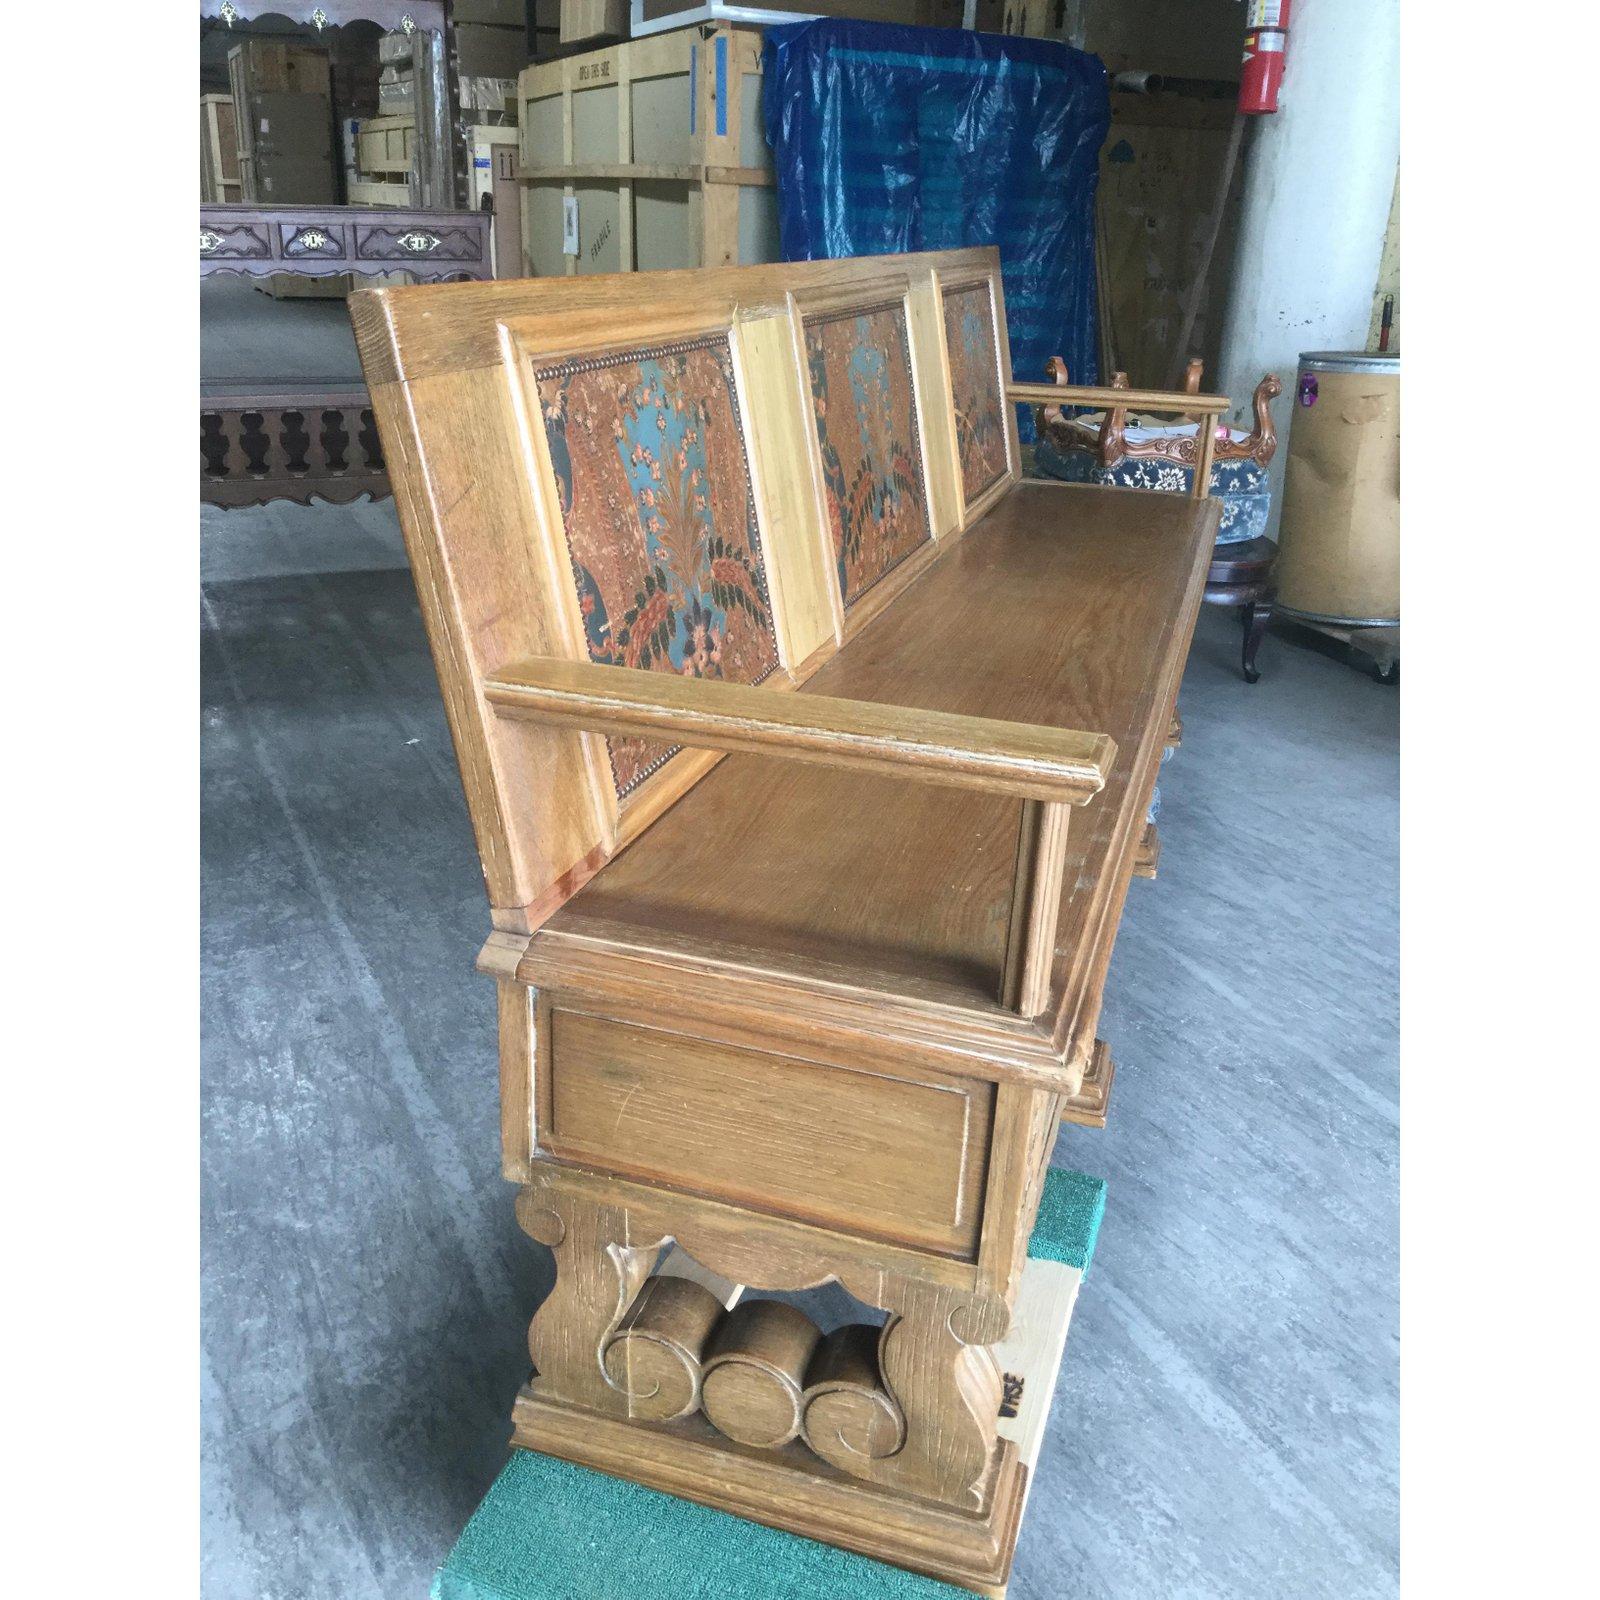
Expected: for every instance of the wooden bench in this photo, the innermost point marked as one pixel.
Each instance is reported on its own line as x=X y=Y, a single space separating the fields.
x=808 y=750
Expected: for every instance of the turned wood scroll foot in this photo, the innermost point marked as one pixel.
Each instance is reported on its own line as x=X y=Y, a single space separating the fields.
x=850 y=1418
x=656 y=1357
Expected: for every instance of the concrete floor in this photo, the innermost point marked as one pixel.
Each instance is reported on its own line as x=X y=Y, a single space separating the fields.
x=1226 y=1422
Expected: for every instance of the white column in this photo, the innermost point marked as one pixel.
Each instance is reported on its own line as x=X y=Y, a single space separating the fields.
x=1319 y=176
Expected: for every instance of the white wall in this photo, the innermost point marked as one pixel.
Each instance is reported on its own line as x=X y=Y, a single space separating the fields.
x=1319 y=178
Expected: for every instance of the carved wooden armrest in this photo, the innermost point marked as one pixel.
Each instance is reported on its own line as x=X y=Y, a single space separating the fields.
x=1049 y=769
x=1118 y=400
x=1012 y=758
x=1161 y=401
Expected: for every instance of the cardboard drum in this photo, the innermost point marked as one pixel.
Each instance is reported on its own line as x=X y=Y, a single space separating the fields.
x=1339 y=558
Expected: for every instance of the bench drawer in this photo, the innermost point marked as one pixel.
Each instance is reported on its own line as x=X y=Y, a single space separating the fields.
x=893 y=1157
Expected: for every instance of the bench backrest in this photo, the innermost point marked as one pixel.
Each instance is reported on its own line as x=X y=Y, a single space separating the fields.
x=721 y=473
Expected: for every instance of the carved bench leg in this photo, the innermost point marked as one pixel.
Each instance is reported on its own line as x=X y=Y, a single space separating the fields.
x=650 y=1376
x=911 y=1408
x=598 y=1276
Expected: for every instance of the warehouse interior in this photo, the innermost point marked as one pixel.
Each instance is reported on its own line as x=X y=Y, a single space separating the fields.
x=1226 y=1413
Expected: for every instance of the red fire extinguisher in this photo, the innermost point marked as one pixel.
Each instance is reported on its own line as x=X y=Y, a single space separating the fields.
x=1266 y=33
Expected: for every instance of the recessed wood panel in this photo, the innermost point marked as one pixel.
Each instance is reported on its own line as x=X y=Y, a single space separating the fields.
x=898 y=1158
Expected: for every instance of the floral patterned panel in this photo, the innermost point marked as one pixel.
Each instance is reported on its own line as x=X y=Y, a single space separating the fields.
x=650 y=458
x=975 y=382
x=866 y=413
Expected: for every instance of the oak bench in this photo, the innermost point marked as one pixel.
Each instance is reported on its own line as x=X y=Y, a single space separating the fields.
x=808 y=750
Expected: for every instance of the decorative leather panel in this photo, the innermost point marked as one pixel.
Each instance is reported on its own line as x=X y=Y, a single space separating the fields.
x=975 y=382
x=649 y=454
x=866 y=416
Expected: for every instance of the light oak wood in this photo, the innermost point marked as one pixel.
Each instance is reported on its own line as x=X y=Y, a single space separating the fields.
x=403 y=334
x=848 y=1413
x=807 y=1000
x=1035 y=764
x=781 y=436
x=773 y=1133
x=1035 y=906
x=1087 y=1108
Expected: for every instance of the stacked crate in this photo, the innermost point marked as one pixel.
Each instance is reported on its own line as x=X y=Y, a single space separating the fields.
x=647 y=154
x=219 y=151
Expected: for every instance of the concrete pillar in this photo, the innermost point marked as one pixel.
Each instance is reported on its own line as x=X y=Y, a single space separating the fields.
x=1319 y=177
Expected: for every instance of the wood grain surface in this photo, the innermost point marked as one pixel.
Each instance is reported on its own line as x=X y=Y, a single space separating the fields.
x=900 y=882
x=1006 y=758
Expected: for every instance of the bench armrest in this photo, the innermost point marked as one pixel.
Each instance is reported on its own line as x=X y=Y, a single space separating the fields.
x=1007 y=758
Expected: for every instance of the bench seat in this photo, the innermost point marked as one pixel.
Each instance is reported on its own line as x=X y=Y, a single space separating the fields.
x=783 y=865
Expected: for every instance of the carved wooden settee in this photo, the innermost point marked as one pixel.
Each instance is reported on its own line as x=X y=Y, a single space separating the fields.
x=808 y=752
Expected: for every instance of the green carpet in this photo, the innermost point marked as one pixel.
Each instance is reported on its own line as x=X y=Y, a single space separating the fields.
x=548 y=1530
x=1070 y=1213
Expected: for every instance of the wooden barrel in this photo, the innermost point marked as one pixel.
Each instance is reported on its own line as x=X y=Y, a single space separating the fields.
x=1339 y=550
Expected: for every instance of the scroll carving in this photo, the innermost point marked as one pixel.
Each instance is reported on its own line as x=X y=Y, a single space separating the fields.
x=910 y=1406
x=1107 y=440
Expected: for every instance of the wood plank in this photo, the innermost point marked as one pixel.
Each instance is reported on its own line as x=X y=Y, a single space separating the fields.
x=774 y=1133
x=795 y=538
x=980 y=753
x=1031 y=1353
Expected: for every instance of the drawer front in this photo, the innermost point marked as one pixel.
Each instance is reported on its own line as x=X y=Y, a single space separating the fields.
x=898 y=1158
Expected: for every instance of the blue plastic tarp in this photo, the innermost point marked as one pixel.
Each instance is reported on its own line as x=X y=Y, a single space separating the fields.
x=888 y=139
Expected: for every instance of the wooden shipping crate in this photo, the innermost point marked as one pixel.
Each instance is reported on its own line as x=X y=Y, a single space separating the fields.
x=376 y=192
x=384 y=146
x=1160 y=170
x=593 y=19
x=991 y=16
x=219 y=150
x=658 y=148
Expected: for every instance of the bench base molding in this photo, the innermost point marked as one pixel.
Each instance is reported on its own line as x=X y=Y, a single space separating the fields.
x=970 y=1550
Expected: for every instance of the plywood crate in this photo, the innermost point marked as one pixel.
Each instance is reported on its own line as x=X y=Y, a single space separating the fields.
x=219 y=151
x=1160 y=168
x=383 y=147
x=659 y=144
x=593 y=19
x=657 y=16
x=377 y=192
